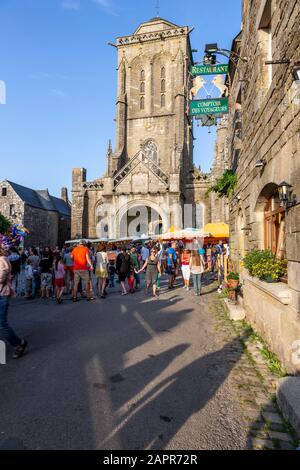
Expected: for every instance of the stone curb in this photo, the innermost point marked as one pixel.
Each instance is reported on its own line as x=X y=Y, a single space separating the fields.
x=288 y=399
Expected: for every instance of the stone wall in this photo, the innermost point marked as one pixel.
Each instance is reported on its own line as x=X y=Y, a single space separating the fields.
x=43 y=226
x=264 y=97
x=7 y=201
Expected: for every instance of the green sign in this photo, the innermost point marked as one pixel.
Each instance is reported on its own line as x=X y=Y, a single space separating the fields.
x=209 y=106
x=209 y=69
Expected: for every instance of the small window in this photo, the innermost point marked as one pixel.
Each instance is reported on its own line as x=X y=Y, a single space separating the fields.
x=142 y=76
x=4 y=192
x=142 y=103
x=163 y=101
x=142 y=87
x=12 y=210
x=163 y=86
x=163 y=72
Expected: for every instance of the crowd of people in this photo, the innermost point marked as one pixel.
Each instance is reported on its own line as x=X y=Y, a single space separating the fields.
x=88 y=270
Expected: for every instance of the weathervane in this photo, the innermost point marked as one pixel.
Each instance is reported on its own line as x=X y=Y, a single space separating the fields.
x=157 y=8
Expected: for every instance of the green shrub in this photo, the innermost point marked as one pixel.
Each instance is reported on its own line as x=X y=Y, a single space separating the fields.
x=264 y=265
x=225 y=185
x=4 y=224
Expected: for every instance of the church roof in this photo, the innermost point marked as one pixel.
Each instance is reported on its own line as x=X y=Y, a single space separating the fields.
x=154 y=24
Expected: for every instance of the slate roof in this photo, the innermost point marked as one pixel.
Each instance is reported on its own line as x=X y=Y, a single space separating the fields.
x=41 y=199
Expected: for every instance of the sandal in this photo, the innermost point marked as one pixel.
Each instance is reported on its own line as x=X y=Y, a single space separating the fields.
x=20 y=349
x=75 y=299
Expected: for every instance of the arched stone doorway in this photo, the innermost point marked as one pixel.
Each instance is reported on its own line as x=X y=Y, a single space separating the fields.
x=140 y=218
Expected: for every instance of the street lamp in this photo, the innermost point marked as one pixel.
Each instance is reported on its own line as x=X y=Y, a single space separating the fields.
x=296 y=72
x=285 y=194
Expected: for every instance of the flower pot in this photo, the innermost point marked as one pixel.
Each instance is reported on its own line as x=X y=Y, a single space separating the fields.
x=233 y=283
x=268 y=279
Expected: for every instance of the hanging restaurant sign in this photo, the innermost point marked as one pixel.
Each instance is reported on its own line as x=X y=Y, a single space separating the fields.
x=209 y=69
x=209 y=106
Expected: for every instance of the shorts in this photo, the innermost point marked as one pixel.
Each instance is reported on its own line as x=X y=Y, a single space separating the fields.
x=46 y=281
x=186 y=271
x=59 y=282
x=122 y=277
x=81 y=274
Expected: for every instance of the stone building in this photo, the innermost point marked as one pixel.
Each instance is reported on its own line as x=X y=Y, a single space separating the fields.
x=150 y=181
x=48 y=218
x=264 y=150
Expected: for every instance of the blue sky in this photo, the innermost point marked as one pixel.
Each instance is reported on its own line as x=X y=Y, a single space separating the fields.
x=60 y=80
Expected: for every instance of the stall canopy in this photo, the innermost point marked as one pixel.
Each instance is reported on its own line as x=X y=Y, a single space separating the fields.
x=180 y=234
x=218 y=230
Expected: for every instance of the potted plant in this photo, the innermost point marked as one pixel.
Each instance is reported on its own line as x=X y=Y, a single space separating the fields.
x=233 y=280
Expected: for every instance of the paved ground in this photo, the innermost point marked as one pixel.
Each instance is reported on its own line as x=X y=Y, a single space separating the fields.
x=132 y=372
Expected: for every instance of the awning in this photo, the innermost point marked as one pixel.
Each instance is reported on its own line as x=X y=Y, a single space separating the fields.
x=217 y=230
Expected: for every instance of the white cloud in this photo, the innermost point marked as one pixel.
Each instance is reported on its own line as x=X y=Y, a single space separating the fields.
x=106 y=5
x=58 y=93
x=71 y=5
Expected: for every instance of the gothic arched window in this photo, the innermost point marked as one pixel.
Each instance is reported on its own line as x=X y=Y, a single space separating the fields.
x=142 y=102
x=163 y=101
x=142 y=75
x=163 y=72
x=163 y=86
x=151 y=151
x=142 y=87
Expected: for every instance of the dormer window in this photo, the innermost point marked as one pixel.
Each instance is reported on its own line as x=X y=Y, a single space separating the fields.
x=4 y=192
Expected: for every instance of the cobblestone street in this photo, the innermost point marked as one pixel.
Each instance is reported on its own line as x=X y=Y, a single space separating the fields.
x=138 y=373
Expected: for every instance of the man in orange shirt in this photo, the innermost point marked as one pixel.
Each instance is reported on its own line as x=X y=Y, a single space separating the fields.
x=82 y=263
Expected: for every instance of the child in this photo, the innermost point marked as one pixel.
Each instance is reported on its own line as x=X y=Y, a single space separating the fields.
x=111 y=272
x=59 y=278
x=29 y=279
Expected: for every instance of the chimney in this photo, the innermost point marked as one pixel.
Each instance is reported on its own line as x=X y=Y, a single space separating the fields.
x=64 y=195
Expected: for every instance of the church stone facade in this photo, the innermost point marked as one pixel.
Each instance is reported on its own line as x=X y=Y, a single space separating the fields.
x=150 y=181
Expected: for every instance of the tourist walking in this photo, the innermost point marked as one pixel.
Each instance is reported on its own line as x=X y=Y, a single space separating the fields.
x=101 y=271
x=82 y=262
x=29 y=279
x=185 y=268
x=152 y=266
x=15 y=262
x=144 y=253
x=46 y=264
x=197 y=267
x=171 y=264
x=59 y=278
x=111 y=272
x=123 y=268
x=134 y=257
x=69 y=274
x=35 y=263
x=5 y=292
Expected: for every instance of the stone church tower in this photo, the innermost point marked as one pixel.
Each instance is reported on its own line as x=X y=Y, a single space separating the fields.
x=150 y=177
